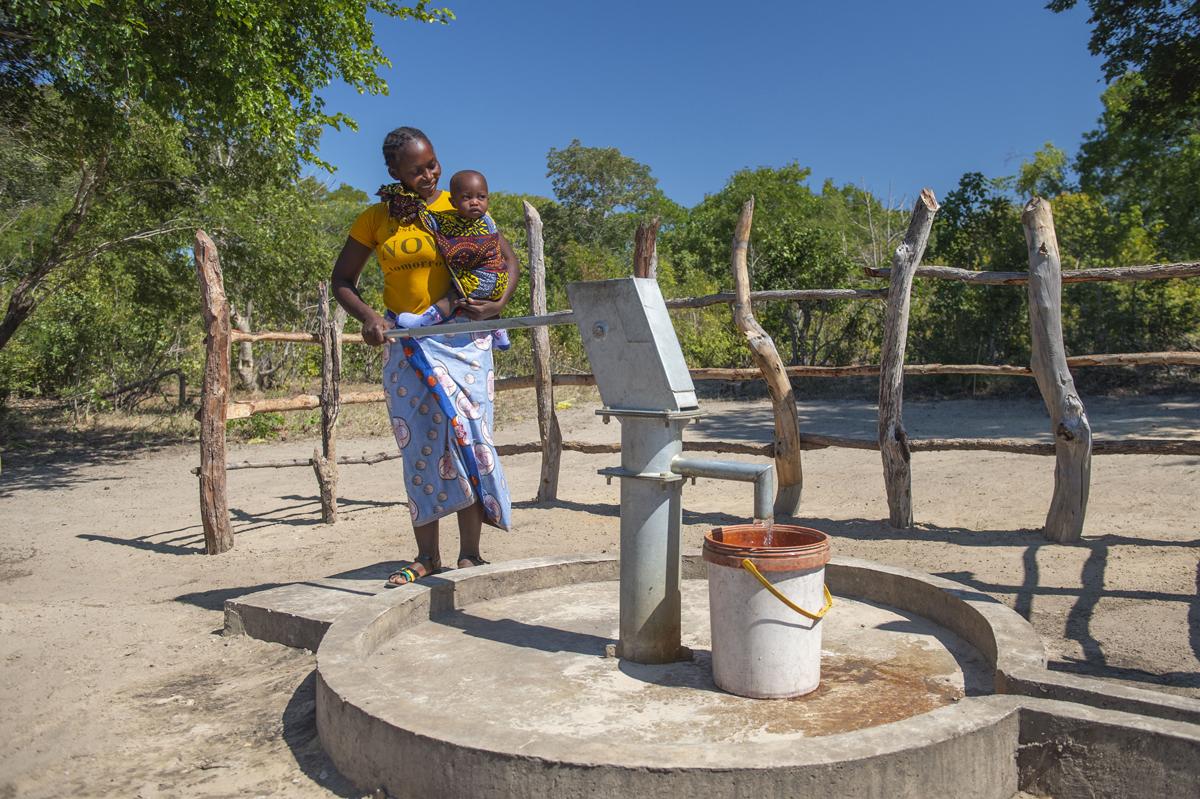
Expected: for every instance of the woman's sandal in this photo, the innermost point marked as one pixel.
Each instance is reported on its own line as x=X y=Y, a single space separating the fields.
x=474 y=560
x=432 y=565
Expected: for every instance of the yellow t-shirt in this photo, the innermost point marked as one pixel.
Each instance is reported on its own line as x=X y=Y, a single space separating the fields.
x=414 y=271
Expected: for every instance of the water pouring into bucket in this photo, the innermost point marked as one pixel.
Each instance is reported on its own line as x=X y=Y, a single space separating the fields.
x=767 y=596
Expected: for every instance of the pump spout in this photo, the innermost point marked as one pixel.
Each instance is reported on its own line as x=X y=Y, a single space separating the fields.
x=762 y=476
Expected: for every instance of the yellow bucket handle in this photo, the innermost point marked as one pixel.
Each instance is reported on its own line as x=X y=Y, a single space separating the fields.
x=748 y=566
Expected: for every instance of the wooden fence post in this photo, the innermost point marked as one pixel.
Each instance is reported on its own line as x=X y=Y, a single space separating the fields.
x=1072 y=433
x=214 y=396
x=542 y=375
x=645 y=249
x=788 y=472
x=325 y=461
x=893 y=440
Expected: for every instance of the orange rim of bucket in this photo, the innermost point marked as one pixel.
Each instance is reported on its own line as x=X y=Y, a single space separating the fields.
x=776 y=549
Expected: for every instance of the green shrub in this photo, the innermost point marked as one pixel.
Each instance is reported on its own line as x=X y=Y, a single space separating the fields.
x=260 y=427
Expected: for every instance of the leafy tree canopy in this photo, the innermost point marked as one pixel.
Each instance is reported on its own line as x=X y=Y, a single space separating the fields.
x=784 y=207
x=245 y=69
x=121 y=120
x=1158 y=38
x=604 y=194
x=1155 y=172
x=1045 y=174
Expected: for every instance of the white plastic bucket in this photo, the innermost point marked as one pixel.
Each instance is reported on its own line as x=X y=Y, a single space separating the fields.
x=761 y=647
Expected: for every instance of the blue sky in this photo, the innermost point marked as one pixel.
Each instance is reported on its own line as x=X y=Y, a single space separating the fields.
x=901 y=96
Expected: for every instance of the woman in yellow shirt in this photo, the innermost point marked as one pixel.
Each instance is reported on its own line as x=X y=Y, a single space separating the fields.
x=440 y=389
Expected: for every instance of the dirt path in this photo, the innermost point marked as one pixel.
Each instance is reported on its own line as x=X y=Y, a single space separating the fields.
x=116 y=681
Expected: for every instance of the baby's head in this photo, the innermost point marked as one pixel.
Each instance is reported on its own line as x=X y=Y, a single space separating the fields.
x=469 y=194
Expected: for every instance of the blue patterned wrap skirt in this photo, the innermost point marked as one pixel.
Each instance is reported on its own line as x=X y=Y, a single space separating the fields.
x=440 y=391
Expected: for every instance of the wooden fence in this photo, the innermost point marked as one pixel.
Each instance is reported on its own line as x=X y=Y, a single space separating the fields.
x=1072 y=447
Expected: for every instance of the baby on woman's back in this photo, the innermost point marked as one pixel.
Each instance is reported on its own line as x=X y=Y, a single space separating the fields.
x=469 y=241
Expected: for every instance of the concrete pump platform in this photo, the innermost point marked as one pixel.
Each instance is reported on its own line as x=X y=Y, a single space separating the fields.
x=535 y=663
x=493 y=682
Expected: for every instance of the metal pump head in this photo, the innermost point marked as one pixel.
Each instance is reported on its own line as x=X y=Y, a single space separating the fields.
x=631 y=345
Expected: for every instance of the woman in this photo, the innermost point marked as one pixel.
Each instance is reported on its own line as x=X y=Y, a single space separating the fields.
x=439 y=388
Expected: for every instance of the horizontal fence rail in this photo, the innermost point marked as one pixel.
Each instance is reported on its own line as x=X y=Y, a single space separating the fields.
x=297 y=337
x=808 y=443
x=1110 y=275
x=242 y=409
x=797 y=295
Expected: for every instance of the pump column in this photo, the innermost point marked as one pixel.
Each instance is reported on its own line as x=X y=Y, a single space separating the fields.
x=651 y=523
x=644 y=382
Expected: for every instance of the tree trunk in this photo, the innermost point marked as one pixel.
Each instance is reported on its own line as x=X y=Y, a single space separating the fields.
x=23 y=300
x=1072 y=433
x=325 y=461
x=893 y=440
x=542 y=375
x=788 y=471
x=214 y=396
x=245 y=365
x=793 y=324
x=808 y=354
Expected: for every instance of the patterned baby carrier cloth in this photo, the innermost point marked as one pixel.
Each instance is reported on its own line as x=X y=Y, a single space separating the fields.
x=471 y=247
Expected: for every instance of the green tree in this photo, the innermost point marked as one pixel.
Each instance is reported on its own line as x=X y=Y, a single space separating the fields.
x=120 y=95
x=276 y=239
x=869 y=227
x=783 y=204
x=1043 y=175
x=1157 y=173
x=1119 y=317
x=111 y=294
x=70 y=199
x=978 y=227
x=1159 y=39
x=122 y=301
x=594 y=183
x=234 y=68
x=792 y=246
x=602 y=196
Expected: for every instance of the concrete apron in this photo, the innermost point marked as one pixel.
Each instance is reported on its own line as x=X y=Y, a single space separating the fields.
x=491 y=682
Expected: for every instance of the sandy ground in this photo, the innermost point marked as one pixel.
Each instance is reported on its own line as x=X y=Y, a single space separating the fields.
x=116 y=680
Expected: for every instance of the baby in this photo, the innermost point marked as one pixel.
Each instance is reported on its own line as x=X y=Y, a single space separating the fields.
x=469 y=241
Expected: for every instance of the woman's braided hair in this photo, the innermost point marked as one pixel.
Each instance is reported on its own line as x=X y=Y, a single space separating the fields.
x=398 y=139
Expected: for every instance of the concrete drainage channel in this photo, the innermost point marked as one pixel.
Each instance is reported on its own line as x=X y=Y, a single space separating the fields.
x=493 y=682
